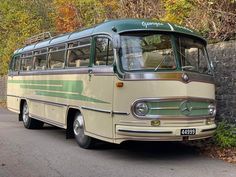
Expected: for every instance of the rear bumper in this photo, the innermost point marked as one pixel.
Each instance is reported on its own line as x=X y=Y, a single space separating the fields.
x=125 y=133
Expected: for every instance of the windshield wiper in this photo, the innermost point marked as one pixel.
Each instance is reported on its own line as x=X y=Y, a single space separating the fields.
x=160 y=64
x=190 y=67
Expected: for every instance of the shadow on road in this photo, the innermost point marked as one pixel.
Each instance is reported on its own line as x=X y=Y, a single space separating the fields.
x=136 y=150
x=151 y=150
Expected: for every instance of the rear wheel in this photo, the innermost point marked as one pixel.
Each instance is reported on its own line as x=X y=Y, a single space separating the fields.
x=29 y=122
x=83 y=140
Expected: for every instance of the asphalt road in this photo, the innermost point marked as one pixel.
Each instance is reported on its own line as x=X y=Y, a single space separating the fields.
x=46 y=152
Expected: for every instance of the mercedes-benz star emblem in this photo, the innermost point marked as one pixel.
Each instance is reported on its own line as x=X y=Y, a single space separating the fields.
x=186 y=107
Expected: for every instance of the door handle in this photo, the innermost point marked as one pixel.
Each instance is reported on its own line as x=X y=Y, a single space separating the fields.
x=90 y=72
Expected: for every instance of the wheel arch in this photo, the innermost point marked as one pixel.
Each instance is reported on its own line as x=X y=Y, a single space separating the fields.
x=22 y=101
x=70 y=120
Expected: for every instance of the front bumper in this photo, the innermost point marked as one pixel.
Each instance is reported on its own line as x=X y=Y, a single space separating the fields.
x=125 y=133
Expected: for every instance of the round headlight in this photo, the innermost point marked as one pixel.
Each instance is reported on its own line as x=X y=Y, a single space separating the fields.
x=141 y=109
x=212 y=109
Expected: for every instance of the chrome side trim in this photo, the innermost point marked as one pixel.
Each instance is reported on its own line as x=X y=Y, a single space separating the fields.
x=40 y=101
x=13 y=110
x=209 y=129
x=48 y=102
x=144 y=131
x=47 y=121
x=13 y=96
x=99 y=70
x=121 y=113
x=105 y=111
x=174 y=75
x=97 y=110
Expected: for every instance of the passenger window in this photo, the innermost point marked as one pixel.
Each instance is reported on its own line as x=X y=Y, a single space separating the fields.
x=27 y=64
x=56 y=57
x=79 y=53
x=40 y=60
x=104 y=52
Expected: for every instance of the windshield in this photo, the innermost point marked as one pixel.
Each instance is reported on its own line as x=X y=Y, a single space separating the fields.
x=147 y=51
x=193 y=55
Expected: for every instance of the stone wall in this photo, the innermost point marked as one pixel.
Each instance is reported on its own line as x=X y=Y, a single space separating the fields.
x=3 y=88
x=223 y=55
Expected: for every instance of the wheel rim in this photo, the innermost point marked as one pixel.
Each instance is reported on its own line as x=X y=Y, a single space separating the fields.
x=78 y=126
x=25 y=113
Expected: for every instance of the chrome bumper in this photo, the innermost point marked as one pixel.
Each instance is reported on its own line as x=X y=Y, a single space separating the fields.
x=125 y=133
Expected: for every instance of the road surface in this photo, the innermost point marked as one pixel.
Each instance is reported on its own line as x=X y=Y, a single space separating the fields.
x=46 y=153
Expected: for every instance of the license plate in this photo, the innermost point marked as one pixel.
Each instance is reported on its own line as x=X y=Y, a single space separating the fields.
x=189 y=131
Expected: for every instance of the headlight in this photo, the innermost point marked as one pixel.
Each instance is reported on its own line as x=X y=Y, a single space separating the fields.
x=141 y=109
x=212 y=109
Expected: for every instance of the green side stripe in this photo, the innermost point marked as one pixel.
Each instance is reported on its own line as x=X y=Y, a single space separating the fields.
x=48 y=86
x=66 y=86
x=53 y=82
x=69 y=96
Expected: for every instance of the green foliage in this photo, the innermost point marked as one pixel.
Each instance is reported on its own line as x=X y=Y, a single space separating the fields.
x=225 y=135
x=177 y=11
x=19 y=20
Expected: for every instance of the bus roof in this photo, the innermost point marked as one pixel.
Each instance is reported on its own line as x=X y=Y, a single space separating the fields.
x=112 y=27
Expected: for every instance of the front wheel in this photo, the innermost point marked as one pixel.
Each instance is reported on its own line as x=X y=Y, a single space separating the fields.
x=29 y=122
x=83 y=140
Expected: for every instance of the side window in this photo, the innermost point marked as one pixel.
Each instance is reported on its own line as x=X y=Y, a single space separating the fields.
x=16 y=64
x=27 y=62
x=40 y=60
x=56 y=57
x=104 y=51
x=79 y=53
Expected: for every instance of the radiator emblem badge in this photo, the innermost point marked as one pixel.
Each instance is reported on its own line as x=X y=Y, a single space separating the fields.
x=186 y=107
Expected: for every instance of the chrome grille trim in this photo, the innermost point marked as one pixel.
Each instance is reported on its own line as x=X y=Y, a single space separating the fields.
x=164 y=108
x=173 y=99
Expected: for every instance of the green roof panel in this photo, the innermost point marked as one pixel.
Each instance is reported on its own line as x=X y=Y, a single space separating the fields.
x=112 y=27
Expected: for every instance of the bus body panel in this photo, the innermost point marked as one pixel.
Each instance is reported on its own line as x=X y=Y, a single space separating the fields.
x=49 y=97
x=129 y=127
x=159 y=89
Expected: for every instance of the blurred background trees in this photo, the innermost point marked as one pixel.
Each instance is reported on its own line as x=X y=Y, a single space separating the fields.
x=20 y=19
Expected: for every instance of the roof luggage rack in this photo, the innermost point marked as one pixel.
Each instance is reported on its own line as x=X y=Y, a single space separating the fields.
x=38 y=38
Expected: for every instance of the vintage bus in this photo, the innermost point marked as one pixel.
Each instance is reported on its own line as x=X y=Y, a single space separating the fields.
x=121 y=80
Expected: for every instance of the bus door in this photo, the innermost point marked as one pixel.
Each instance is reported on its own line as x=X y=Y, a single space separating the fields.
x=100 y=88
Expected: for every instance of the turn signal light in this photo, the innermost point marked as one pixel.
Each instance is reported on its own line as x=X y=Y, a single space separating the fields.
x=119 y=84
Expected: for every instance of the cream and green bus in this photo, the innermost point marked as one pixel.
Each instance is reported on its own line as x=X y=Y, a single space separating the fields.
x=121 y=80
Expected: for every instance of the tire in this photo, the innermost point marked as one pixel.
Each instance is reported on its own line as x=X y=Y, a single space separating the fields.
x=29 y=122
x=83 y=140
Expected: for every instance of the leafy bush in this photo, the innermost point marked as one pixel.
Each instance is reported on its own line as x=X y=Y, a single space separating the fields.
x=225 y=135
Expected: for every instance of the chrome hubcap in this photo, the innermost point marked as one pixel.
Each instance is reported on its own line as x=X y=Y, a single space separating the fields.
x=78 y=125
x=25 y=113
